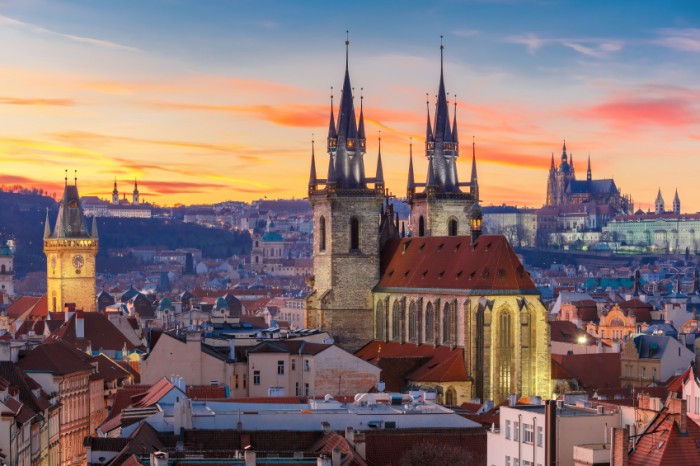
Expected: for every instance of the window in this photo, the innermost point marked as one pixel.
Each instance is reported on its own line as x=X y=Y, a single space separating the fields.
x=256 y=377
x=322 y=233
x=527 y=463
x=294 y=364
x=516 y=462
x=429 y=323
x=697 y=405
x=297 y=389
x=452 y=227
x=307 y=365
x=540 y=436
x=412 y=322
x=507 y=460
x=396 y=321
x=380 y=319
x=528 y=433
x=354 y=234
x=516 y=431
x=235 y=377
x=421 y=226
x=306 y=389
x=280 y=367
x=507 y=430
x=446 y=324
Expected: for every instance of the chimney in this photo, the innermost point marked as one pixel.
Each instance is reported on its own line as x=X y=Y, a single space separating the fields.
x=326 y=427
x=159 y=458
x=232 y=350
x=550 y=436
x=683 y=417
x=322 y=460
x=336 y=457
x=620 y=446
x=79 y=325
x=250 y=456
x=350 y=435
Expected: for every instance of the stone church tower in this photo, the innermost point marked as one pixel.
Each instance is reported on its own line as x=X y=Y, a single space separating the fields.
x=70 y=255
x=441 y=208
x=346 y=229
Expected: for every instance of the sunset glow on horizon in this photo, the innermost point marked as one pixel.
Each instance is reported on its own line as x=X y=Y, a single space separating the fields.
x=203 y=102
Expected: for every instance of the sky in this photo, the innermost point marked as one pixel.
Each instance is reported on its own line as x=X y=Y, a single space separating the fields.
x=206 y=101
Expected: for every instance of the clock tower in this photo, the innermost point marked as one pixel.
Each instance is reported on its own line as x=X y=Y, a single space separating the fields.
x=70 y=255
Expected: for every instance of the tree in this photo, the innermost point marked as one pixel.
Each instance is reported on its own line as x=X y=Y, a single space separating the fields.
x=427 y=453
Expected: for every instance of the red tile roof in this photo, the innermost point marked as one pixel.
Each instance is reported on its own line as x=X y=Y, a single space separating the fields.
x=205 y=392
x=37 y=305
x=598 y=370
x=420 y=363
x=565 y=332
x=99 y=332
x=640 y=309
x=664 y=444
x=453 y=263
x=154 y=394
x=58 y=358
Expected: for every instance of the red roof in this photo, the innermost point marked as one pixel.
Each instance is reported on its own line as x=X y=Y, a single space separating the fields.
x=417 y=363
x=58 y=358
x=597 y=370
x=37 y=305
x=98 y=331
x=154 y=394
x=664 y=444
x=452 y=262
x=640 y=309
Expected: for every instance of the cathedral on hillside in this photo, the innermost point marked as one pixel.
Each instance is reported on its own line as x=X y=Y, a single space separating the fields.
x=70 y=250
x=440 y=307
x=564 y=189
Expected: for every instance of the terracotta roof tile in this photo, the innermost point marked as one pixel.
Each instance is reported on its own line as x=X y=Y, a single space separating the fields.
x=453 y=263
x=58 y=358
x=598 y=370
x=98 y=331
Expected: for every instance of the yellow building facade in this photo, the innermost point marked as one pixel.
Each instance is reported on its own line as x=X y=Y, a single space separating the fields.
x=70 y=256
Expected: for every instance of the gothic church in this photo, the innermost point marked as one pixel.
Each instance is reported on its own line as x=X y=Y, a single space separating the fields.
x=444 y=292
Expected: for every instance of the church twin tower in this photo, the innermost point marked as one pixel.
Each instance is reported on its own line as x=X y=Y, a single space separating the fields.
x=349 y=233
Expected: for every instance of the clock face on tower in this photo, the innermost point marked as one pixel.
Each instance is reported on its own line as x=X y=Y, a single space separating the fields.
x=78 y=261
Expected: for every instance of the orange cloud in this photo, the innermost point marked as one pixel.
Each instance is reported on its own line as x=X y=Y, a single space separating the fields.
x=37 y=102
x=626 y=113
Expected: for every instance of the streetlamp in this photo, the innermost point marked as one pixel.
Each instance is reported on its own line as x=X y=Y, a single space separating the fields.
x=582 y=340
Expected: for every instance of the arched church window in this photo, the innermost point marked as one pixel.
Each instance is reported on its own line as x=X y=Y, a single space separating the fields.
x=354 y=234
x=452 y=227
x=396 y=321
x=412 y=322
x=380 y=319
x=505 y=352
x=421 y=226
x=450 y=397
x=446 y=324
x=322 y=233
x=429 y=323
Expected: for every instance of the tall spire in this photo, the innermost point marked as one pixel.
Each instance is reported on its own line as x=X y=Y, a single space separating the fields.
x=332 y=132
x=429 y=127
x=589 y=175
x=411 y=185
x=564 y=158
x=455 y=137
x=312 y=175
x=551 y=167
x=379 y=179
x=346 y=118
x=442 y=122
x=475 y=180
x=93 y=230
x=361 y=128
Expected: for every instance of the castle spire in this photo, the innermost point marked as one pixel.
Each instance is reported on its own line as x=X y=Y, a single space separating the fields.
x=332 y=132
x=551 y=167
x=455 y=137
x=361 y=128
x=564 y=157
x=93 y=231
x=589 y=175
x=428 y=129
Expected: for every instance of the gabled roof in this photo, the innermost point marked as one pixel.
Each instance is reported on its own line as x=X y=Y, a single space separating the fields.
x=57 y=358
x=154 y=394
x=453 y=263
x=99 y=332
x=14 y=375
x=664 y=444
x=35 y=305
x=599 y=370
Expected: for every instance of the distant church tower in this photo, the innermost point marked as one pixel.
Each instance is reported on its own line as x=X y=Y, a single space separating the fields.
x=346 y=229
x=659 y=205
x=559 y=178
x=135 y=199
x=70 y=255
x=441 y=208
x=676 y=204
x=115 y=193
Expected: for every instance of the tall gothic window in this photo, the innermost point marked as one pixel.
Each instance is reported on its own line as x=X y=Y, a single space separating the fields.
x=446 y=323
x=412 y=322
x=379 y=321
x=322 y=233
x=429 y=323
x=354 y=234
x=421 y=226
x=452 y=227
x=396 y=321
x=505 y=352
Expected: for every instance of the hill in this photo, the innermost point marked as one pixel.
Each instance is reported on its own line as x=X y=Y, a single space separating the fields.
x=22 y=217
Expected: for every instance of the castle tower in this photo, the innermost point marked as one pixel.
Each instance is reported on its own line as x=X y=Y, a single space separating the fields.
x=115 y=193
x=659 y=206
x=346 y=230
x=676 y=204
x=7 y=270
x=70 y=255
x=439 y=210
x=135 y=199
